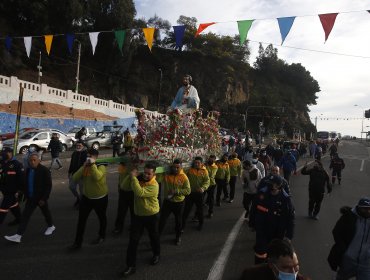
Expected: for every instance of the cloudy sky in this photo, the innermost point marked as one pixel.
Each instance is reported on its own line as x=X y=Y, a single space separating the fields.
x=344 y=79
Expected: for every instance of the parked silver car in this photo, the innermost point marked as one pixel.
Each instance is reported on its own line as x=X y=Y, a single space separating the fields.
x=39 y=138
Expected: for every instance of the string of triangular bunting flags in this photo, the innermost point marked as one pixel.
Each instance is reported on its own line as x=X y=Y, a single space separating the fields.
x=285 y=25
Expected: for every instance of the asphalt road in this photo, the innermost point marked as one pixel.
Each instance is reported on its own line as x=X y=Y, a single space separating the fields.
x=41 y=257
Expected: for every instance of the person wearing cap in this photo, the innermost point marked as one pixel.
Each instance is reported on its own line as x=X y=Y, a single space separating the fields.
x=289 y=165
x=350 y=256
x=337 y=164
x=235 y=167
x=37 y=190
x=271 y=216
x=222 y=179
x=11 y=182
x=316 y=187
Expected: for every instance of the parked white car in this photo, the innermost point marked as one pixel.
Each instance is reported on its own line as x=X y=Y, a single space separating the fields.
x=72 y=132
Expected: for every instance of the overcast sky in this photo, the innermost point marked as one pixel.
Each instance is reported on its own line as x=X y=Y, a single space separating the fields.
x=344 y=80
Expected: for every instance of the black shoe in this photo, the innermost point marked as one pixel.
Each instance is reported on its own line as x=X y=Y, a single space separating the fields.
x=97 y=241
x=231 y=201
x=315 y=218
x=246 y=215
x=14 y=222
x=339 y=183
x=74 y=247
x=209 y=216
x=128 y=271
x=117 y=231
x=155 y=260
x=178 y=241
x=195 y=220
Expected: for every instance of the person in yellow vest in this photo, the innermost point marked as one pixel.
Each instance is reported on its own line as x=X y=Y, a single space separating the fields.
x=125 y=197
x=94 y=197
x=212 y=170
x=146 y=209
x=235 y=167
x=128 y=142
x=199 y=183
x=176 y=187
x=222 y=179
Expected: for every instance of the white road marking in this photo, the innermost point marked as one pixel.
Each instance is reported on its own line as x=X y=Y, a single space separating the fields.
x=218 y=267
x=362 y=165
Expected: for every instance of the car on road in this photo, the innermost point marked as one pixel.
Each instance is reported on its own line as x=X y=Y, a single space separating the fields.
x=72 y=132
x=10 y=135
x=104 y=137
x=40 y=138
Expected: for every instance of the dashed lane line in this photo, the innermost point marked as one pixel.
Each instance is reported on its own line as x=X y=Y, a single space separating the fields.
x=362 y=165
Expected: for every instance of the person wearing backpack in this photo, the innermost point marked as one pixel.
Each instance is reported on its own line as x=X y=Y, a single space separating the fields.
x=251 y=177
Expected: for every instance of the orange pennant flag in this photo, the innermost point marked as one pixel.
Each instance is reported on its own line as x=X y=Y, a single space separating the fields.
x=203 y=26
x=48 y=41
x=149 y=36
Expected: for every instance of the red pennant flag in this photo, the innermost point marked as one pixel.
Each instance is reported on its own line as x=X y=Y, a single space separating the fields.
x=203 y=26
x=327 y=22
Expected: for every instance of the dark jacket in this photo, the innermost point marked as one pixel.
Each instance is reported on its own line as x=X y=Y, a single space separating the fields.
x=337 y=164
x=117 y=142
x=11 y=176
x=55 y=147
x=263 y=272
x=42 y=183
x=77 y=160
x=343 y=233
x=265 y=182
x=318 y=179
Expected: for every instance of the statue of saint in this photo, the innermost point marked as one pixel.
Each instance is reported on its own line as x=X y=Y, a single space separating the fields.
x=187 y=99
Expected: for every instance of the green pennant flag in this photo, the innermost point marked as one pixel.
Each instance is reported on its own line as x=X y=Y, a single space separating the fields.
x=244 y=26
x=120 y=37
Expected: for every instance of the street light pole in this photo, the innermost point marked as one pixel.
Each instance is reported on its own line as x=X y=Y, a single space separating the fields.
x=362 y=118
x=160 y=88
x=78 y=65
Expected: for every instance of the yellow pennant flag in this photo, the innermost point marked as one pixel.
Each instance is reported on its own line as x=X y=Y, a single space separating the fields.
x=149 y=35
x=48 y=41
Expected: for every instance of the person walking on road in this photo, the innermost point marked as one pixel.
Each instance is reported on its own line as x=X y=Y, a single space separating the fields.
x=146 y=207
x=11 y=182
x=316 y=187
x=235 y=167
x=349 y=256
x=78 y=159
x=94 y=197
x=55 y=147
x=271 y=216
x=251 y=177
x=212 y=170
x=37 y=191
x=176 y=187
x=222 y=179
x=282 y=264
x=337 y=164
x=116 y=143
x=289 y=165
x=258 y=164
x=275 y=170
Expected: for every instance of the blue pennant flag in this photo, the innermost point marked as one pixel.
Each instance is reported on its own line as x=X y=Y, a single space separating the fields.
x=70 y=38
x=8 y=43
x=179 y=35
x=285 y=24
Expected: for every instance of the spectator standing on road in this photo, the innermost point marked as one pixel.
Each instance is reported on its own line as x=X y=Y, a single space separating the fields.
x=248 y=155
x=265 y=159
x=222 y=179
x=11 y=182
x=316 y=187
x=282 y=264
x=239 y=149
x=128 y=142
x=258 y=164
x=36 y=190
x=125 y=197
x=235 y=167
x=333 y=150
x=272 y=216
x=312 y=148
x=337 y=164
x=224 y=146
x=146 y=207
x=350 y=253
x=55 y=147
x=78 y=159
x=251 y=177
x=116 y=143
x=81 y=135
x=94 y=197
x=319 y=151
x=289 y=165
x=275 y=170
x=278 y=155
x=176 y=187
x=212 y=170
x=199 y=183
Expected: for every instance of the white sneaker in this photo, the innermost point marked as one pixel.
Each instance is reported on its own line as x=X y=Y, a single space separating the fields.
x=14 y=238
x=49 y=230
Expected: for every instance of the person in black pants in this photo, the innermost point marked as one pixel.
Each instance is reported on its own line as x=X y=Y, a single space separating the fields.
x=212 y=170
x=116 y=143
x=337 y=164
x=55 y=147
x=37 y=190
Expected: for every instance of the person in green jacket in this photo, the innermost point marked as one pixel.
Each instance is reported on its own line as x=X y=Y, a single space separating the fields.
x=222 y=179
x=212 y=170
x=235 y=167
x=94 y=197
x=125 y=197
x=146 y=209
x=176 y=188
x=199 y=183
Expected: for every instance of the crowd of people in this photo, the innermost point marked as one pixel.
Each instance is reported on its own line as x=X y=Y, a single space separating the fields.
x=269 y=209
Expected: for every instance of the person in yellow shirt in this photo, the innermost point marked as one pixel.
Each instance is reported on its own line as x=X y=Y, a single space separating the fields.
x=199 y=183
x=176 y=187
x=222 y=179
x=125 y=197
x=235 y=167
x=146 y=209
x=212 y=170
x=94 y=197
x=128 y=142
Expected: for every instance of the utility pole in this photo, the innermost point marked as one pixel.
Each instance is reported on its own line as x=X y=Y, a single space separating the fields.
x=160 y=88
x=78 y=65
x=39 y=67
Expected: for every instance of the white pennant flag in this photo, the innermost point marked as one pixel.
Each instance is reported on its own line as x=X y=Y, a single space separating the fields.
x=28 y=44
x=94 y=40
